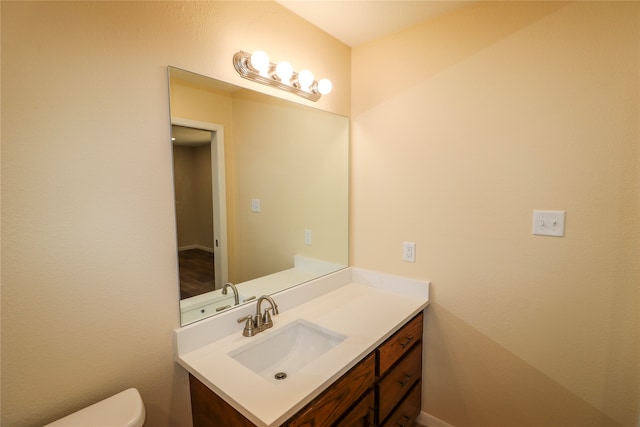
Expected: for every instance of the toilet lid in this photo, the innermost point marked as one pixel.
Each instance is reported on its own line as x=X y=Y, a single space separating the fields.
x=124 y=409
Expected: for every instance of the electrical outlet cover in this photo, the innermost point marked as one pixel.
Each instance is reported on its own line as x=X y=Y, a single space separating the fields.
x=409 y=251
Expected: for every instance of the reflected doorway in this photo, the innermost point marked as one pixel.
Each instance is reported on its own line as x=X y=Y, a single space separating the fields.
x=200 y=203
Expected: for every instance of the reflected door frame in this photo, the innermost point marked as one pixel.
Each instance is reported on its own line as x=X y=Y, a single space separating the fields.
x=219 y=195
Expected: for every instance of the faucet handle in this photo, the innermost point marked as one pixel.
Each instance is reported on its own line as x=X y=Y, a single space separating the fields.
x=248 y=330
x=266 y=318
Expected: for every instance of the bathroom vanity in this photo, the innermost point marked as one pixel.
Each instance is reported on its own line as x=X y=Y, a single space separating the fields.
x=345 y=346
x=368 y=371
x=383 y=389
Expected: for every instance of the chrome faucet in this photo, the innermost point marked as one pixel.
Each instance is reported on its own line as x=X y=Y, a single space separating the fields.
x=261 y=321
x=236 y=299
x=265 y=321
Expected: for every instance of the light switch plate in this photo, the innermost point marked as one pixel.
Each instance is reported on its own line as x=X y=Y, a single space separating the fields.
x=548 y=223
x=255 y=205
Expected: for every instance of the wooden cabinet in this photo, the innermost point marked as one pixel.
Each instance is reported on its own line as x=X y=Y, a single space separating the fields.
x=397 y=346
x=384 y=389
x=209 y=409
x=362 y=414
x=407 y=411
x=339 y=398
x=399 y=371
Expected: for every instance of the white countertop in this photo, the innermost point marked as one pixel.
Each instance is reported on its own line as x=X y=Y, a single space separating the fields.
x=367 y=308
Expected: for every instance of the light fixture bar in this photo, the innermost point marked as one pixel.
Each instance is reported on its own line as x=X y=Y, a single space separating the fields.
x=242 y=64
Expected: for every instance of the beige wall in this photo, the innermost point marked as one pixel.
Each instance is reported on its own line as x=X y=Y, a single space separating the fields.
x=89 y=275
x=205 y=196
x=193 y=195
x=296 y=161
x=461 y=127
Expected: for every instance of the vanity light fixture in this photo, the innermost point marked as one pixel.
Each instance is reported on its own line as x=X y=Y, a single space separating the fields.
x=258 y=68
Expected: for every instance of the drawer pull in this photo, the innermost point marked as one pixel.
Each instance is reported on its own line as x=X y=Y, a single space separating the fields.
x=406 y=342
x=403 y=421
x=403 y=382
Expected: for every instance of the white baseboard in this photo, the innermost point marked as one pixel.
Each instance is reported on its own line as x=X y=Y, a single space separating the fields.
x=431 y=421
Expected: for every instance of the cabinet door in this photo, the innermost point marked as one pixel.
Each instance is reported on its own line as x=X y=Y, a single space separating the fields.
x=361 y=415
x=208 y=409
x=334 y=402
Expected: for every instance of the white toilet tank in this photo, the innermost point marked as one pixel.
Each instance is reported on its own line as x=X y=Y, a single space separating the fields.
x=124 y=409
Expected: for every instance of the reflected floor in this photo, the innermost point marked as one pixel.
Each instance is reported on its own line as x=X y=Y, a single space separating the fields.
x=196 y=272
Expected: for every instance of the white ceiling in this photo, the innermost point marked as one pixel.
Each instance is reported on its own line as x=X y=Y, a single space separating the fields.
x=355 y=22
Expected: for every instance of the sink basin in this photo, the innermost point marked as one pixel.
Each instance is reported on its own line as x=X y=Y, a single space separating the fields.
x=279 y=354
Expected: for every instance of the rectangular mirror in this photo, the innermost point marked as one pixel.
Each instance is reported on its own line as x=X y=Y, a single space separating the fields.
x=261 y=192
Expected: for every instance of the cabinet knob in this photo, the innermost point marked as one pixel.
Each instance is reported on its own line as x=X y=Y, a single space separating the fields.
x=407 y=377
x=403 y=422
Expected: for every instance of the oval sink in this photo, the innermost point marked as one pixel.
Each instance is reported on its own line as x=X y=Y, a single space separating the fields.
x=286 y=350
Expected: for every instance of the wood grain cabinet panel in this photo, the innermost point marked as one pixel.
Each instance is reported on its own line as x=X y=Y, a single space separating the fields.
x=332 y=404
x=208 y=409
x=362 y=414
x=406 y=413
x=397 y=383
x=398 y=344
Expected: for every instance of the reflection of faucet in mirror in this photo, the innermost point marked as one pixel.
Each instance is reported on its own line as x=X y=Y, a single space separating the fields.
x=236 y=299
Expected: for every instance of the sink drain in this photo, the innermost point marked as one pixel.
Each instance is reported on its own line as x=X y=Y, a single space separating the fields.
x=280 y=375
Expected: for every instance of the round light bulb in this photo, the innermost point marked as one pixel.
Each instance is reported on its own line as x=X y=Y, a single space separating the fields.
x=260 y=61
x=305 y=78
x=284 y=71
x=325 y=86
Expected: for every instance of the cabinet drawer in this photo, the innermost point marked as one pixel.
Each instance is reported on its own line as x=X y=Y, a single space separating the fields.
x=407 y=411
x=327 y=408
x=361 y=415
x=393 y=387
x=393 y=349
